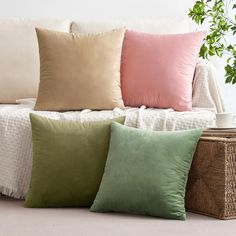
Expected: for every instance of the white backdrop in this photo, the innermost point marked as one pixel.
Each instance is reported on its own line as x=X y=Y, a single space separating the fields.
x=111 y=9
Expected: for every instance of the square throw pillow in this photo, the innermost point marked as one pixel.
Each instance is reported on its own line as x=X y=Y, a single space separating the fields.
x=146 y=172
x=158 y=26
x=19 y=59
x=157 y=70
x=79 y=71
x=68 y=161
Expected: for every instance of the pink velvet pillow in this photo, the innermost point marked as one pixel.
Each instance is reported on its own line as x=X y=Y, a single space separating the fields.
x=157 y=70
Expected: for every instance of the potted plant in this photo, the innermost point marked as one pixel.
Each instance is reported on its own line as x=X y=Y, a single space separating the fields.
x=220 y=15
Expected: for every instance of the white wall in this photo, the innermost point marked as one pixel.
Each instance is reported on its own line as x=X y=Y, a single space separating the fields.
x=94 y=9
x=110 y=9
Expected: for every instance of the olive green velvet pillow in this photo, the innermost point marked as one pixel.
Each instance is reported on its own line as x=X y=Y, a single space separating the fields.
x=146 y=172
x=68 y=161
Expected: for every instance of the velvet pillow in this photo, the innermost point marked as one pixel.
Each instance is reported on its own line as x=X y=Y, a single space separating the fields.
x=68 y=161
x=157 y=70
x=146 y=172
x=19 y=59
x=79 y=71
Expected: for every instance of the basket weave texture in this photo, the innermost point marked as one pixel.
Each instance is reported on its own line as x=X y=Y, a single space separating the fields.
x=211 y=187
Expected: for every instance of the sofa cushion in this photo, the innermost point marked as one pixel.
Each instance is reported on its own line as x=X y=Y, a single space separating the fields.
x=146 y=172
x=159 y=26
x=19 y=59
x=79 y=71
x=157 y=70
x=68 y=161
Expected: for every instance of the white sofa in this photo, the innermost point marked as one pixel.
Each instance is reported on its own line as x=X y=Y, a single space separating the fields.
x=19 y=78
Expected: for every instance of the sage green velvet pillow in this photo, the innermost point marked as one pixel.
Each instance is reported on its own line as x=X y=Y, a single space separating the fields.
x=146 y=172
x=68 y=161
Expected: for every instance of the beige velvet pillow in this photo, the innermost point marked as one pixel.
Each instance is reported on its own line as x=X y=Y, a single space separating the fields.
x=79 y=71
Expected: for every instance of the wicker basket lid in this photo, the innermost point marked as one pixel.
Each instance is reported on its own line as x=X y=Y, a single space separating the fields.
x=224 y=134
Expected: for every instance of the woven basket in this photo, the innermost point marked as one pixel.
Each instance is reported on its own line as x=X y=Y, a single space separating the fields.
x=211 y=187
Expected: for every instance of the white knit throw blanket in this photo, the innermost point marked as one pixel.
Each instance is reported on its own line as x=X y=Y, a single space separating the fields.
x=16 y=144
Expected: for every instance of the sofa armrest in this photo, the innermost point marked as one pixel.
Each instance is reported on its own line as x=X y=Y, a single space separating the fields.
x=206 y=91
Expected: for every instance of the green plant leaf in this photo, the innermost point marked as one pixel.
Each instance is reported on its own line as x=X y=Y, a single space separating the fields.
x=221 y=30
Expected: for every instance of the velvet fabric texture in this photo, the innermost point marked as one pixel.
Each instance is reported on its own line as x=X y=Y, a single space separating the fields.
x=79 y=71
x=146 y=172
x=157 y=70
x=68 y=161
x=19 y=59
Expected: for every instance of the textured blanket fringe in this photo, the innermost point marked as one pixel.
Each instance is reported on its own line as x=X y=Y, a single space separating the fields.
x=11 y=193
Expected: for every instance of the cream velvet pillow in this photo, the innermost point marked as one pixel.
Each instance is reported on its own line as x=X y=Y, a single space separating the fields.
x=154 y=26
x=79 y=71
x=19 y=59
